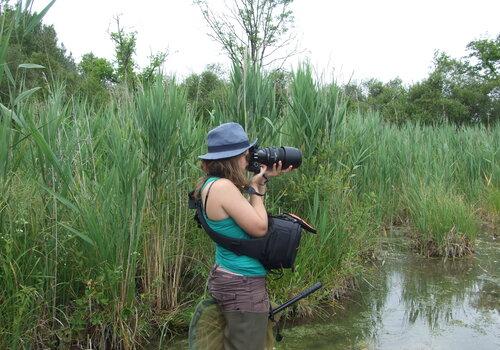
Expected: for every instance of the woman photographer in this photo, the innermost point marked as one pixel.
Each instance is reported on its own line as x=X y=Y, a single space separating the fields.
x=236 y=282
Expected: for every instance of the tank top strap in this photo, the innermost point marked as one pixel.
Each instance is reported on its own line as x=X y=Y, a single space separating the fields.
x=209 y=180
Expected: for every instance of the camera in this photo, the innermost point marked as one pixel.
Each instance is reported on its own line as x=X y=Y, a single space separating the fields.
x=270 y=155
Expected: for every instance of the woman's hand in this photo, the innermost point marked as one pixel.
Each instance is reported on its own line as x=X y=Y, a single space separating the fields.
x=276 y=170
x=259 y=180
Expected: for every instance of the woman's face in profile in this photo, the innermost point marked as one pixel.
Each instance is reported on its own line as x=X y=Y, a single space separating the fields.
x=243 y=160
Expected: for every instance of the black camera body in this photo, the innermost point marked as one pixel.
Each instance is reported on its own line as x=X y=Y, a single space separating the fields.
x=270 y=155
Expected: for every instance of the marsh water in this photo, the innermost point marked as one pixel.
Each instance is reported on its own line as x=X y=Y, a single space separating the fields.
x=412 y=302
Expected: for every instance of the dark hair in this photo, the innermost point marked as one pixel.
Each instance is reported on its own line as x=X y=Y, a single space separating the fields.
x=227 y=168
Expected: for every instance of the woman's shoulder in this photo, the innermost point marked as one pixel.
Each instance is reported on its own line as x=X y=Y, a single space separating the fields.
x=224 y=184
x=224 y=191
x=219 y=183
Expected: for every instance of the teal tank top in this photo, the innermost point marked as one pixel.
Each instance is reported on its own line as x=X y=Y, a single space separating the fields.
x=226 y=259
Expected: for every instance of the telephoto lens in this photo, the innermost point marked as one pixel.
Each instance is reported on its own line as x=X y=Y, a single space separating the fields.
x=288 y=156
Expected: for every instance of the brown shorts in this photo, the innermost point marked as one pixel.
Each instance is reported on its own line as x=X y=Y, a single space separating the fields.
x=238 y=293
x=245 y=305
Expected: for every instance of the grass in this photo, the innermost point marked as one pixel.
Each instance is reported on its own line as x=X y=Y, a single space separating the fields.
x=492 y=200
x=445 y=223
x=98 y=248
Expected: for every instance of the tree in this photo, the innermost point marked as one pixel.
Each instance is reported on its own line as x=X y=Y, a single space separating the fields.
x=97 y=68
x=390 y=99
x=427 y=103
x=124 y=53
x=257 y=29
x=97 y=76
x=461 y=91
x=204 y=90
x=155 y=62
x=30 y=41
x=487 y=56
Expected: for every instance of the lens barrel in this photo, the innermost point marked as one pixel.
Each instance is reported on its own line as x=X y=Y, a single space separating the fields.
x=288 y=156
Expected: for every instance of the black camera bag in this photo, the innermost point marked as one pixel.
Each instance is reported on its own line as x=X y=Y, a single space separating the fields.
x=276 y=250
x=282 y=242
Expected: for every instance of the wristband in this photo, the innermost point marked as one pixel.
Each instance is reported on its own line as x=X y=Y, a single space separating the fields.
x=265 y=178
x=251 y=190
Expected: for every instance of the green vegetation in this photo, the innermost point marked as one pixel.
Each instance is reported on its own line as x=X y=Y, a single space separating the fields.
x=30 y=41
x=492 y=199
x=461 y=91
x=99 y=242
x=97 y=246
x=446 y=224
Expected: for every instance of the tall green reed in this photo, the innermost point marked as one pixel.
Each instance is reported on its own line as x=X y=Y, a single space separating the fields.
x=315 y=113
x=445 y=223
x=101 y=249
x=167 y=131
x=251 y=101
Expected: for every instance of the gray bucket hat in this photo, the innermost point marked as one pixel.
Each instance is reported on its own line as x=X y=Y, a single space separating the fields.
x=226 y=141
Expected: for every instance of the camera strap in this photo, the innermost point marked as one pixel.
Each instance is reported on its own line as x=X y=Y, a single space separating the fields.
x=250 y=190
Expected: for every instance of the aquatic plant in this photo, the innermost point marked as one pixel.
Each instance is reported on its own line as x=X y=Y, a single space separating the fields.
x=97 y=245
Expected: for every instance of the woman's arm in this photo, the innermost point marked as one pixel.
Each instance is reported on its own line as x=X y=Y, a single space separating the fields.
x=250 y=216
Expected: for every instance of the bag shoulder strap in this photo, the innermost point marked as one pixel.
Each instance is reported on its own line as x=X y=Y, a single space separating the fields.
x=206 y=197
x=253 y=247
x=250 y=247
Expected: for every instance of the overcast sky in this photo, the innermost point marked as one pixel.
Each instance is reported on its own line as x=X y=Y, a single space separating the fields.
x=360 y=38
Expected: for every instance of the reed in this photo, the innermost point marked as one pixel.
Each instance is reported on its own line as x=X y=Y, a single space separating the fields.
x=251 y=101
x=445 y=223
x=315 y=112
x=97 y=245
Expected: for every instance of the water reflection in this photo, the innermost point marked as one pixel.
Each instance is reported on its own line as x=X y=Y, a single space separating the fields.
x=416 y=303
x=434 y=290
